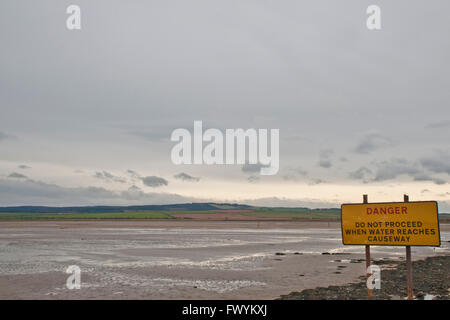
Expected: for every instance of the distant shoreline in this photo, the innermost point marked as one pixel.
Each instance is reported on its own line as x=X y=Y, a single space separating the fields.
x=205 y=218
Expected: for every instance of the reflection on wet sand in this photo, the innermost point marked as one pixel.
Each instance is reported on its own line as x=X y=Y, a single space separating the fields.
x=181 y=260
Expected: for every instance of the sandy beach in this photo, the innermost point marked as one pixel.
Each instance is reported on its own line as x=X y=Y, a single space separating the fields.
x=182 y=259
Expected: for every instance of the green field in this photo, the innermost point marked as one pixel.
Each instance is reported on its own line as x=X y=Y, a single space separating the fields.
x=275 y=214
x=294 y=214
x=299 y=214
x=83 y=216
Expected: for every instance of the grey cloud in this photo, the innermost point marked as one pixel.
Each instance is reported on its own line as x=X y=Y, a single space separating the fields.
x=106 y=176
x=133 y=174
x=438 y=124
x=17 y=175
x=393 y=168
x=4 y=136
x=23 y=166
x=325 y=161
x=439 y=181
x=133 y=193
x=439 y=163
x=387 y=170
x=185 y=177
x=134 y=188
x=294 y=173
x=326 y=153
x=153 y=136
x=361 y=173
x=367 y=87
x=157 y=131
x=288 y=177
x=371 y=142
x=154 y=182
x=251 y=168
x=446 y=194
x=300 y=171
x=30 y=192
x=426 y=177
x=286 y=202
x=316 y=181
x=422 y=177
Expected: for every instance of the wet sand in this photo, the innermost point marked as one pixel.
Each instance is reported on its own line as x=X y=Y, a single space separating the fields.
x=431 y=281
x=181 y=259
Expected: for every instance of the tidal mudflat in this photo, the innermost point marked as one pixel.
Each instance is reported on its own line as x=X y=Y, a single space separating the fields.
x=181 y=259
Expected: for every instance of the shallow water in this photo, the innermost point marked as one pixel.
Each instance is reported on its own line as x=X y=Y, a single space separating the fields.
x=215 y=260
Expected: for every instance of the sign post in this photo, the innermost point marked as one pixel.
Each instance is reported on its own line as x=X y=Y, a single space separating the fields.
x=409 y=264
x=369 y=291
x=405 y=223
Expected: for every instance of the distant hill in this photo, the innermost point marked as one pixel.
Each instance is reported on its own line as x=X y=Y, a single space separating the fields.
x=98 y=209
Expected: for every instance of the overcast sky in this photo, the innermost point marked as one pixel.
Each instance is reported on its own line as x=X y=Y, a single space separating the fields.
x=86 y=115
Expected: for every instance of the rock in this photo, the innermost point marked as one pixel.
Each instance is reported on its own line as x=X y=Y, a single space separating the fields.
x=431 y=279
x=356 y=260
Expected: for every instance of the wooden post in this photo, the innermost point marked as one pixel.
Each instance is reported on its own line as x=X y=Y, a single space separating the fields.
x=409 y=276
x=369 y=291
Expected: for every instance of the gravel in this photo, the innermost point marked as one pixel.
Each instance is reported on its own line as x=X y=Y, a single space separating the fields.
x=431 y=280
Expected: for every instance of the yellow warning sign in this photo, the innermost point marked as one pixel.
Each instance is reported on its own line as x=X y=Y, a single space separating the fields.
x=391 y=224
